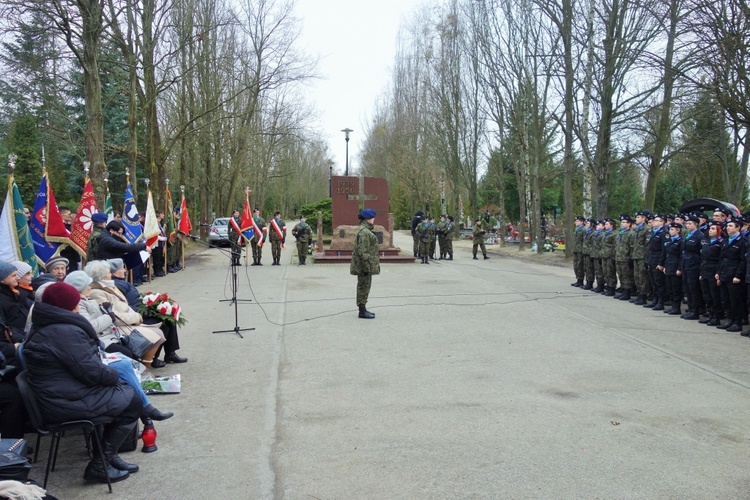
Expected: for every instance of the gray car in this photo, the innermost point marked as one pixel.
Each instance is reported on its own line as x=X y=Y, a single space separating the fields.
x=219 y=232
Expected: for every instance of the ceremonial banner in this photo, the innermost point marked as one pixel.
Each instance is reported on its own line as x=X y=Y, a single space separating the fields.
x=169 y=228
x=247 y=225
x=46 y=224
x=14 y=231
x=108 y=205
x=277 y=230
x=151 y=229
x=185 y=226
x=83 y=225
x=130 y=219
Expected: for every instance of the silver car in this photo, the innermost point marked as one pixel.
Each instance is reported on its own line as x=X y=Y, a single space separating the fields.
x=219 y=232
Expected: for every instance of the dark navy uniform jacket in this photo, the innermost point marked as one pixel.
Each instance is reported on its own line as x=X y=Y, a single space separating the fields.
x=732 y=264
x=691 y=251
x=710 y=256
x=672 y=255
x=655 y=246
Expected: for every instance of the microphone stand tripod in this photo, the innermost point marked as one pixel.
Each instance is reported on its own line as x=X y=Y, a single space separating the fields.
x=234 y=264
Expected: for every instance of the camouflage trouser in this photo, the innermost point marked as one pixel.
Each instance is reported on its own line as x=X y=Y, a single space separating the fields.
x=276 y=249
x=610 y=272
x=416 y=244
x=302 y=248
x=625 y=274
x=578 y=266
x=474 y=248
x=363 y=289
x=424 y=248
x=599 y=271
x=590 y=268
x=443 y=245
x=257 y=250
x=433 y=242
x=641 y=279
x=449 y=246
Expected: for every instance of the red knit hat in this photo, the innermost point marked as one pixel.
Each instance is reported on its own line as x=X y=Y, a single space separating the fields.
x=62 y=295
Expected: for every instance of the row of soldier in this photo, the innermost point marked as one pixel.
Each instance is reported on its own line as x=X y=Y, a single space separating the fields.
x=276 y=235
x=660 y=260
x=429 y=236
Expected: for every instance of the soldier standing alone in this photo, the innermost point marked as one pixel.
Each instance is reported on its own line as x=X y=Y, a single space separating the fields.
x=303 y=234
x=256 y=245
x=277 y=235
x=424 y=233
x=478 y=234
x=365 y=261
x=578 y=265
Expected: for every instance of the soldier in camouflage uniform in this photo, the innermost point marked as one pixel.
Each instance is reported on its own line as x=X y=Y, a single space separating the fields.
x=100 y=220
x=254 y=246
x=365 y=262
x=641 y=232
x=433 y=239
x=608 y=257
x=596 y=253
x=303 y=234
x=623 y=254
x=449 y=233
x=440 y=230
x=578 y=263
x=478 y=239
x=588 y=248
x=425 y=232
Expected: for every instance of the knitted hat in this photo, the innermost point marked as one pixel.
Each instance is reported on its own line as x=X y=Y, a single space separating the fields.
x=61 y=295
x=78 y=280
x=115 y=265
x=22 y=267
x=54 y=261
x=42 y=279
x=6 y=268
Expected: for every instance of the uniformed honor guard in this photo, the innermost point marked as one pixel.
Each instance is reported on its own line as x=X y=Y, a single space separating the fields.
x=277 y=235
x=578 y=261
x=623 y=253
x=692 y=244
x=730 y=275
x=608 y=257
x=596 y=254
x=440 y=229
x=365 y=261
x=478 y=239
x=424 y=232
x=653 y=257
x=256 y=242
x=710 y=257
x=670 y=264
x=640 y=270
x=588 y=258
x=449 y=233
x=303 y=235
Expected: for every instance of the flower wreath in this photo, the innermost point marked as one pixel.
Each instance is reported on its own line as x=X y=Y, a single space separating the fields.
x=161 y=306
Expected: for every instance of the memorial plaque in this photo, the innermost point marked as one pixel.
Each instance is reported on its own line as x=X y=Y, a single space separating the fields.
x=347 y=197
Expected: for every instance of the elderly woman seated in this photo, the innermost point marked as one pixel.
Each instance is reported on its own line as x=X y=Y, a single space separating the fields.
x=13 y=311
x=104 y=291
x=71 y=382
x=130 y=292
x=102 y=323
x=25 y=276
x=57 y=267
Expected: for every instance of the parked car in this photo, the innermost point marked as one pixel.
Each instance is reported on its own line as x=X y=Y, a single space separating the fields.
x=219 y=232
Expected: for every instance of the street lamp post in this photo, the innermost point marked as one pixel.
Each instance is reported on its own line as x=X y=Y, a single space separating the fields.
x=346 y=132
x=330 y=179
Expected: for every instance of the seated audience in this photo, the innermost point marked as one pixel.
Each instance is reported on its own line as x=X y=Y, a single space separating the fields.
x=71 y=382
x=103 y=290
x=25 y=290
x=13 y=311
x=57 y=267
x=172 y=343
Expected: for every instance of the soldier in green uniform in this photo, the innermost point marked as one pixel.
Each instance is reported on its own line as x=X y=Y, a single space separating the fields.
x=450 y=230
x=623 y=255
x=440 y=230
x=424 y=233
x=578 y=265
x=303 y=234
x=100 y=220
x=587 y=250
x=478 y=241
x=433 y=241
x=608 y=257
x=596 y=253
x=277 y=235
x=365 y=261
x=256 y=245
x=641 y=281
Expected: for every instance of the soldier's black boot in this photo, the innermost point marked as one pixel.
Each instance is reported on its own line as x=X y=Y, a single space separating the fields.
x=706 y=320
x=618 y=293
x=659 y=306
x=450 y=257
x=255 y=262
x=485 y=257
x=364 y=313
x=609 y=291
x=588 y=286
x=745 y=333
x=625 y=294
x=577 y=284
x=475 y=257
x=302 y=263
x=725 y=326
x=690 y=315
x=641 y=300
x=259 y=263
x=715 y=321
x=735 y=327
x=427 y=260
x=599 y=288
x=675 y=310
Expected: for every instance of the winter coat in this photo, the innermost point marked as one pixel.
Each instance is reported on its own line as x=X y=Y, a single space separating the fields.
x=110 y=247
x=710 y=256
x=65 y=370
x=131 y=293
x=100 y=321
x=655 y=244
x=13 y=312
x=365 y=259
x=732 y=264
x=691 y=251
x=127 y=317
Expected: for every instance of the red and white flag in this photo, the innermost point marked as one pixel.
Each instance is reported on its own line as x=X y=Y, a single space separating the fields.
x=151 y=229
x=83 y=225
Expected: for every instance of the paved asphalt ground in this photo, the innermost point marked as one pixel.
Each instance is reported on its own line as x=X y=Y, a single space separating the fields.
x=477 y=379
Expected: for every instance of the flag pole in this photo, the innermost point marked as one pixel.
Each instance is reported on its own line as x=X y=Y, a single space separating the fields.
x=166 y=212
x=247 y=199
x=182 y=242
x=150 y=262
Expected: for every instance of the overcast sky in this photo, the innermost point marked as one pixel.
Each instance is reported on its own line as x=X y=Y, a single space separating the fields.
x=356 y=43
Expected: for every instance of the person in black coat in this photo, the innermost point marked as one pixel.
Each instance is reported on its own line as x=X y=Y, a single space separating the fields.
x=13 y=311
x=71 y=382
x=112 y=245
x=416 y=221
x=691 y=267
x=710 y=256
x=671 y=264
x=655 y=244
x=730 y=276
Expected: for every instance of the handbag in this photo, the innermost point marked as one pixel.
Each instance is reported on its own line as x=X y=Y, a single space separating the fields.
x=136 y=343
x=13 y=465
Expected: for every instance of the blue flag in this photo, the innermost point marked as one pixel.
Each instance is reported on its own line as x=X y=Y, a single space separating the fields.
x=133 y=228
x=43 y=249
